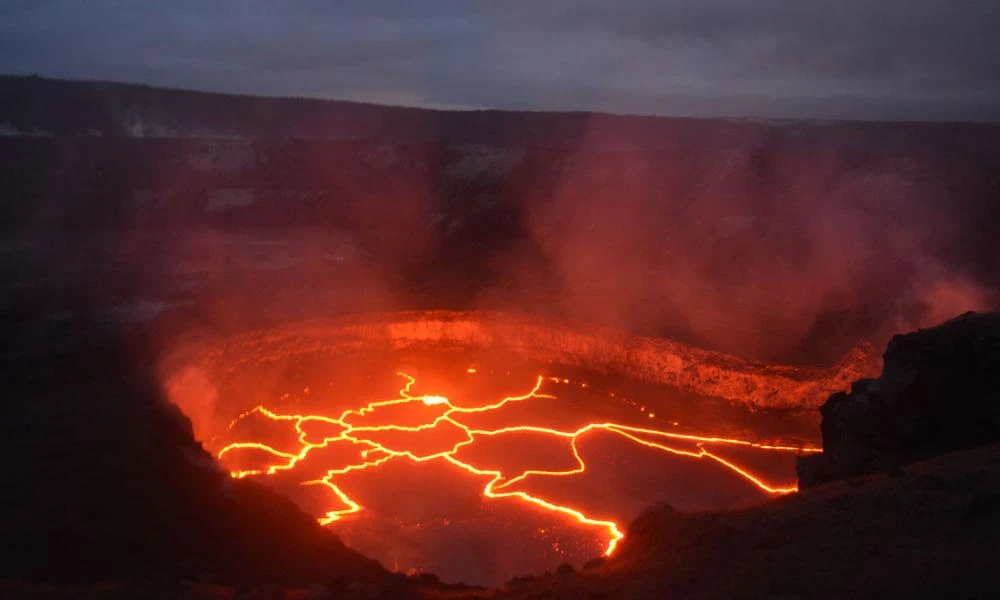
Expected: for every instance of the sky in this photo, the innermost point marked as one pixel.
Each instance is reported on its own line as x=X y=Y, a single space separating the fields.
x=825 y=59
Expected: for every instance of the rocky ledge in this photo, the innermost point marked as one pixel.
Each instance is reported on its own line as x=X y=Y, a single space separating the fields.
x=939 y=391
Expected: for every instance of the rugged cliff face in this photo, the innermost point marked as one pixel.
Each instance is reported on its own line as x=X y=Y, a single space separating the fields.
x=937 y=393
x=775 y=240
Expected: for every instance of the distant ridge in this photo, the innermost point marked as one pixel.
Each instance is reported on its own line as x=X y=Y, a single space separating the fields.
x=35 y=106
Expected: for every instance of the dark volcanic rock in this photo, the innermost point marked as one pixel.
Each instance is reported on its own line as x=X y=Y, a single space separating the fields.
x=103 y=481
x=938 y=392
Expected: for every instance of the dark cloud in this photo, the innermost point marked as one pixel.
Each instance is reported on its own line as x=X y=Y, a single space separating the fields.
x=771 y=58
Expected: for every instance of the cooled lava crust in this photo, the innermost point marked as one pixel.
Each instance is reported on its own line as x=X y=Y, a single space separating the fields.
x=479 y=446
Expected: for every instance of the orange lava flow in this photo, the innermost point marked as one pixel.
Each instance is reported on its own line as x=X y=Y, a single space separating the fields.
x=374 y=453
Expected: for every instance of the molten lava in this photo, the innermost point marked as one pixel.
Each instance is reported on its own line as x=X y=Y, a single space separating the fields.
x=433 y=428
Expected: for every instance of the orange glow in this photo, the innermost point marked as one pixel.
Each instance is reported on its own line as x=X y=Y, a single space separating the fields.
x=422 y=442
x=434 y=400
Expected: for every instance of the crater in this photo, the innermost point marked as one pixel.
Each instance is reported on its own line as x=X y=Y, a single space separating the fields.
x=483 y=446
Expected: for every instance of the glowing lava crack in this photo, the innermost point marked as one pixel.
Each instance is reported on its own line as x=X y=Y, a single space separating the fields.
x=376 y=449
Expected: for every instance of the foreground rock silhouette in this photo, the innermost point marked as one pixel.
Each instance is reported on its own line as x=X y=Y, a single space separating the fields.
x=937 y=393
x=103 y=481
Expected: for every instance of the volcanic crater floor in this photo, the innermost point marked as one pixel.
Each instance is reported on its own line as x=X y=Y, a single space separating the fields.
x=482 y=466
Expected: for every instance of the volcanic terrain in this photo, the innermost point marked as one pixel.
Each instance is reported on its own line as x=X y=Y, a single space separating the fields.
x=282 y=346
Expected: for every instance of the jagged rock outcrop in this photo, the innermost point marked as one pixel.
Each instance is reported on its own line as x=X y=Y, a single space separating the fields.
x=939 y=391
